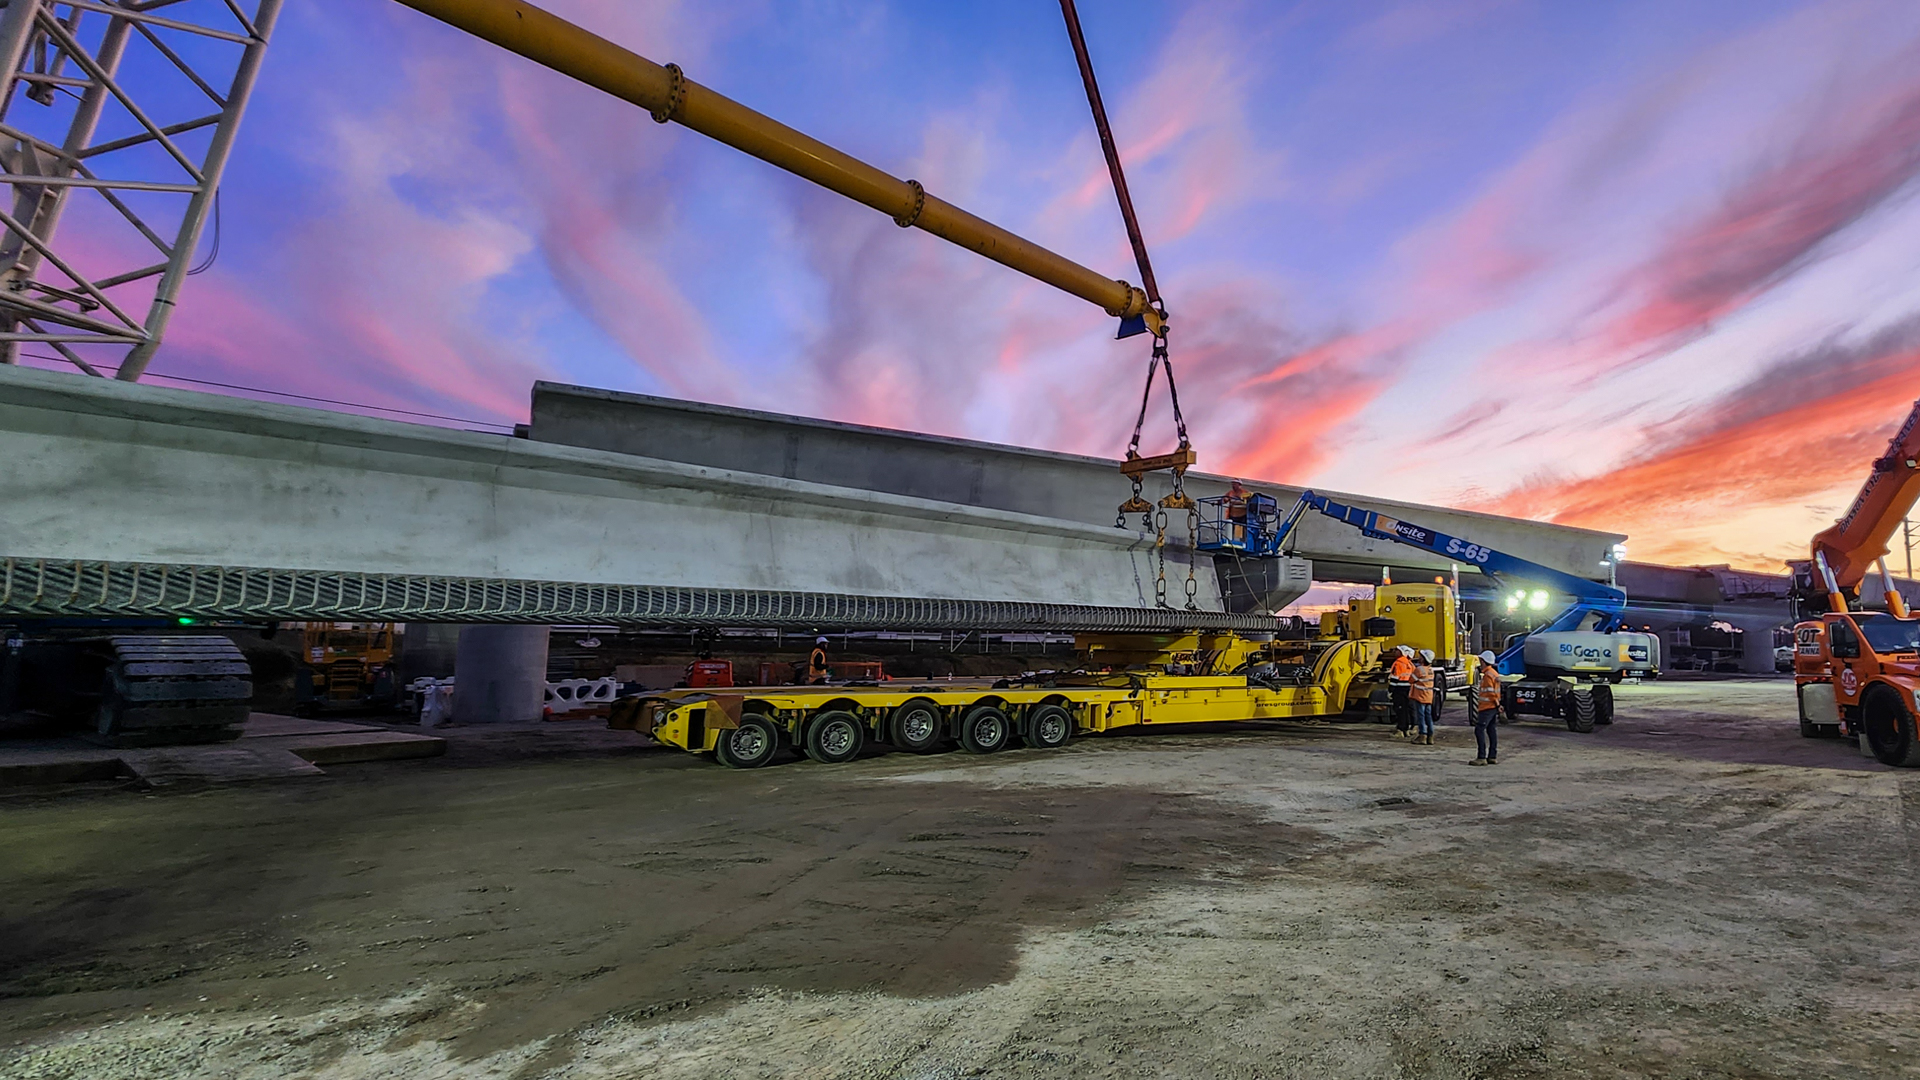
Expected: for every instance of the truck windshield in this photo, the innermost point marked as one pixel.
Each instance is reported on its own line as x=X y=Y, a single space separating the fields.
x=1887 y=634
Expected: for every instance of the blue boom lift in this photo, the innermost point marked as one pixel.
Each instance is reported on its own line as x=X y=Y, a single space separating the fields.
x=1566 y=666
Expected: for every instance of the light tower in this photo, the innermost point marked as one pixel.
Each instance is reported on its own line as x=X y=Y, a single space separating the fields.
x=116 y=121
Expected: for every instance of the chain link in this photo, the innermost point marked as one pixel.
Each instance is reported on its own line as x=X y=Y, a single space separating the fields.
x=1120 y=516
x=1160 y=554
x=1193 y=540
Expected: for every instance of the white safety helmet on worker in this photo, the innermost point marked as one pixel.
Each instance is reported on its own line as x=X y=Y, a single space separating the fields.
x=1427 y=655
x=1488 y=657
x=820 y=641
x=1405 y=650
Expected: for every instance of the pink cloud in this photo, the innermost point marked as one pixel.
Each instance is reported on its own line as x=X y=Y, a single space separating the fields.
x=1795 y=431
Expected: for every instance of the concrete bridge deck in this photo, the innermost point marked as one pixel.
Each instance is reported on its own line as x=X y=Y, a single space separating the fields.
x=132 y=499
x=118 y=490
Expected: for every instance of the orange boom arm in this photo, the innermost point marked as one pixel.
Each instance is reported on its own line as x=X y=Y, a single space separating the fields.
x=1843 y=552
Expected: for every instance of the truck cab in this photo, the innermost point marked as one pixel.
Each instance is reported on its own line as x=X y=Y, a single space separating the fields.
x=1855 y=672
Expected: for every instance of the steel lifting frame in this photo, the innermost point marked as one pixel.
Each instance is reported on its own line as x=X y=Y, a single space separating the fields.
x=85 y=114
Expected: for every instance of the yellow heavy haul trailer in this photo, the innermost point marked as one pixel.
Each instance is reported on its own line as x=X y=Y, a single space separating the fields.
x=1151 y=681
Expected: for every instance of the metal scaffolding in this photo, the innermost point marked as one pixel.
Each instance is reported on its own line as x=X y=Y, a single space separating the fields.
x=117 y=117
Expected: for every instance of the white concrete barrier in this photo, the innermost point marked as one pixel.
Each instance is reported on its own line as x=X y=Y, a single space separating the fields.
x=569 y=695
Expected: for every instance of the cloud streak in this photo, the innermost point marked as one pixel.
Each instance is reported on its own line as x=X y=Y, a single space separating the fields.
x=1797 y=431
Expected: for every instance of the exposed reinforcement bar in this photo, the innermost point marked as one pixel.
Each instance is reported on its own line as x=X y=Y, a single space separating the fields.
x=61 y=588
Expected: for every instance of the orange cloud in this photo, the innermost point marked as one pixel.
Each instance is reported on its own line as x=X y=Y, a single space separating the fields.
x=1795 y=433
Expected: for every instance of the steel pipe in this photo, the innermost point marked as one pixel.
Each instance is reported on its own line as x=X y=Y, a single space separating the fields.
x=570 y=50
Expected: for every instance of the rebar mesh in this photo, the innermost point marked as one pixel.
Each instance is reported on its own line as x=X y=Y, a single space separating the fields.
x=47 y=587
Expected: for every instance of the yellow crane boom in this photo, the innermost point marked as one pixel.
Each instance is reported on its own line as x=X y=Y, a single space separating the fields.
x=669 y=95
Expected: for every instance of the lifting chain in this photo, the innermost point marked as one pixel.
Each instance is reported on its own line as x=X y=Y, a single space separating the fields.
x=1154 y=516
x=1159 y=359
x=1160 y=555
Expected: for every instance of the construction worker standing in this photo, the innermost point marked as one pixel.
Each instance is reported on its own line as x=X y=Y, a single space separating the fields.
x=1422 y=695
x=1236 y=508
x=817 y=670
x=1486 y=710
x=1399 y=690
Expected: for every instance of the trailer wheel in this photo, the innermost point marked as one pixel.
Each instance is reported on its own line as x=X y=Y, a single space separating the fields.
x=1603 y=705
x=1579 y=711
x=985 y=730
x=1048 y=727
x=754 y=743
x=836 y=736
x=916 y=727
x=1890 y=728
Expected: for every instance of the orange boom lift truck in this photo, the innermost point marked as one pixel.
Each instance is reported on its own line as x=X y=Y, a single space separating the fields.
x=1855 y=669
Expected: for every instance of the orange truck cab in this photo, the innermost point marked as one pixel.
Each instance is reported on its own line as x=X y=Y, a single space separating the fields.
x=1855 y=673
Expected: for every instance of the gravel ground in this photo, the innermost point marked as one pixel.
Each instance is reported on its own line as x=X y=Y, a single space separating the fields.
x=1693 y=892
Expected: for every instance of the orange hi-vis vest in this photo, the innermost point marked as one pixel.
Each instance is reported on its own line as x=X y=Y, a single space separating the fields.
x=1402 y=671
x=1486 y=688
x=1422 y=684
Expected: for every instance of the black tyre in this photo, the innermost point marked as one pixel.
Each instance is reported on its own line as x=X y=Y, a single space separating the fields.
x=1603 y=705
x=917 y=727
x=1890 y=728
x=1579 y=706
x=834 y=737
x=985 y=730
x=756 y=742
x=1048 y=727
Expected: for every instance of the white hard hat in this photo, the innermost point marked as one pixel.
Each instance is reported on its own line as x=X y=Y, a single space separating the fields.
x=820 y=641
x=1405 y=650
x=1427 y=655
x=1488 y=657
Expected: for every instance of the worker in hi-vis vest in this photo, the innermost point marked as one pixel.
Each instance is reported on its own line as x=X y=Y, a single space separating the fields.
x=817 y=663
x=1400 y=689
x=1486 y=710
x=1422 y=695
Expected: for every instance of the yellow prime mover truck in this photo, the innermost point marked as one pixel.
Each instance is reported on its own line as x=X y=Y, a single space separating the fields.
x=1129 y=681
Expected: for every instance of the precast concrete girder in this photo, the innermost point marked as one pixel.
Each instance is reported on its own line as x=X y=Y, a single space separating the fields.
x=119 y=490
x=1070 y=487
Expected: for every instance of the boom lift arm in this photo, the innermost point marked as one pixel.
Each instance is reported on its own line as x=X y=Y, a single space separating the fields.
x=1843 y=551
x=1595 y=606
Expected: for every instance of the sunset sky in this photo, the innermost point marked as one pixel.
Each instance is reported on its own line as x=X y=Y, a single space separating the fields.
x=1646 y=266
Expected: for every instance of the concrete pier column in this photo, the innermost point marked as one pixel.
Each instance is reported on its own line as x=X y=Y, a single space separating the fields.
x=500 y=674
x=427 y=650
x=1757 y=651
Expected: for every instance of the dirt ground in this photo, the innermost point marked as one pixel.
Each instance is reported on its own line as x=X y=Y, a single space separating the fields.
x=1694 y=892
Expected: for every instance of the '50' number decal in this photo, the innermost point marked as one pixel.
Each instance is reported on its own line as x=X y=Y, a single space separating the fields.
x=1469 y=552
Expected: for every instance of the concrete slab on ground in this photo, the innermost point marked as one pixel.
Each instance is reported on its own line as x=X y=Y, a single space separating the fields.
x=270 y=747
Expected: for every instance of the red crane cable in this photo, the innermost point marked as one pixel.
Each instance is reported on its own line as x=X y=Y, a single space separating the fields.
x=1113 y=153
x=1120 y=192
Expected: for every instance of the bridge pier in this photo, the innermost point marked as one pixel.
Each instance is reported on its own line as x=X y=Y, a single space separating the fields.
x=500 y=674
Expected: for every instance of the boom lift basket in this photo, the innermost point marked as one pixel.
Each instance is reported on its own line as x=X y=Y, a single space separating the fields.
x=1249 y=526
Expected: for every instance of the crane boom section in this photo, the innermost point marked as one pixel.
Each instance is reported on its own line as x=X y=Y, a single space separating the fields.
x=1850 y=546
x=665 y=92
x=1593 y=602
